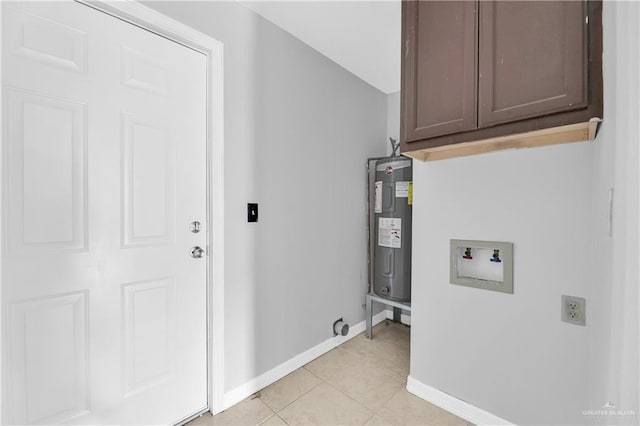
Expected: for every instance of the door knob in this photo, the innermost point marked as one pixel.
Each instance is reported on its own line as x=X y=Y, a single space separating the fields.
x=197 y=252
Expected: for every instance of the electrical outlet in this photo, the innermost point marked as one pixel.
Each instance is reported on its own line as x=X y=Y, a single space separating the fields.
x=573 y=310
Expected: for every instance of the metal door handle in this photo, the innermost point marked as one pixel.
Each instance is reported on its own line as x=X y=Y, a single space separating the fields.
x=197 y=252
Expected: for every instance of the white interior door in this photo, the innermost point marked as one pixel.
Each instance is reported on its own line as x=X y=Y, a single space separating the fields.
x=104 y=152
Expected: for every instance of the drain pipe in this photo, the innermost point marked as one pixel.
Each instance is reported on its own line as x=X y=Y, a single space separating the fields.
x=340 y=328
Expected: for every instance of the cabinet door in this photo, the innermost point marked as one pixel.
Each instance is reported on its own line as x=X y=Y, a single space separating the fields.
x=439 y=68
x=532 y=59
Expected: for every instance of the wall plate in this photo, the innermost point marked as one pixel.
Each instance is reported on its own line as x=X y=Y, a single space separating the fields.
x=474 y=264
x=573 y=310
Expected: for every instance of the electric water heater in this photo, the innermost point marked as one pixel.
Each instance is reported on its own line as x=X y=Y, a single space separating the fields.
x=392 y=199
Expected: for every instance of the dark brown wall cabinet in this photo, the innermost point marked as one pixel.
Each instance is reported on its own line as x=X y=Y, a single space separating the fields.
x=487 y=75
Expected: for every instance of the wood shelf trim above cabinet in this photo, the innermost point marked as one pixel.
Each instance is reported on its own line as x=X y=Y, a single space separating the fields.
x=578 y=132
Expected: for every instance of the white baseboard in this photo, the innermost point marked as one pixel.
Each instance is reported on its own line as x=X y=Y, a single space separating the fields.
x=265 y=379
x=454 y=405
x=404 y=318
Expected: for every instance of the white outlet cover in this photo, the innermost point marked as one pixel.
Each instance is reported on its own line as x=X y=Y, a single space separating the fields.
x=572 y=310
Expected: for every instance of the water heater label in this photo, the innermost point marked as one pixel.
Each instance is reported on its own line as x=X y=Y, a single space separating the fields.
x=390 y=232
x=402 y=189
x=378 y=197
x=410 y=198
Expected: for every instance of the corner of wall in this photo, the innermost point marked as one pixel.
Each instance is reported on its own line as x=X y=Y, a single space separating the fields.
x=393 y=119
x=454 y=405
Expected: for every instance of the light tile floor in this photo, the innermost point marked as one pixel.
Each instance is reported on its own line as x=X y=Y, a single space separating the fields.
x=360 y=382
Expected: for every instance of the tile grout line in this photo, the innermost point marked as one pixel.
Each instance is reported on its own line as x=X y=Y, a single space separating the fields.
x=371 y=355
x=400 y=375
x=369 y=419
x=306 y=392
x=357 y=402
x=389 y=400
x=283 y=420
x=268 y=418
x=266 y=405
x=311 y=372
x=299 y=396
x=383 y=405
x=402 y=385
x=275 y=414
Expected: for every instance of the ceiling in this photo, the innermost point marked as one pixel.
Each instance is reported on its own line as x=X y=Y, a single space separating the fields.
x=361 y=36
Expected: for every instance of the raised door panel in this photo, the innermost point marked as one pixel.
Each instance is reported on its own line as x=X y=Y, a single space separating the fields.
x=439 y=68
x=48 y=339
x=149 y=183
x=46 y=41
x=144 y=72
x=46 y=162
x=532 y=59
x=148 y=330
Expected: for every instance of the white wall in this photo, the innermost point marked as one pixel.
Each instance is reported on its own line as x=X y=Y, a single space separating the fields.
x=298 y=129
x=510 y=354
x=507 y=354
x=393 y=118
x=614 y=293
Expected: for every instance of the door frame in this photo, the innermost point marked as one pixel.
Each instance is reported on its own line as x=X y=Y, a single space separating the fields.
x=148 y=19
